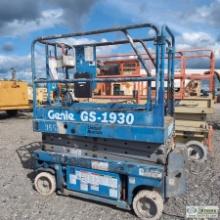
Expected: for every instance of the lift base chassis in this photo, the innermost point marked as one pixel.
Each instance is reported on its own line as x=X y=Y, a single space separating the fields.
x=111 y=181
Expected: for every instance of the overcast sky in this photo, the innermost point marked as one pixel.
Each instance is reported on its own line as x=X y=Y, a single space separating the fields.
x=196 y=23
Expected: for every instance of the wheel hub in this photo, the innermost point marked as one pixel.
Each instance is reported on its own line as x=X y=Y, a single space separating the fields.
x=147 y=207
x=44 y=185
x=195 y=152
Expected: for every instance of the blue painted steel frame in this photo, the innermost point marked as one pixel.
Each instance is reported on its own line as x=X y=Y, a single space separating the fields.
x=149 y=121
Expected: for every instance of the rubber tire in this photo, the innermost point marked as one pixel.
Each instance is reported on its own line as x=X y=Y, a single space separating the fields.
x=12 y=113
x=201 y=147
x=153 y=196
x=50 y=178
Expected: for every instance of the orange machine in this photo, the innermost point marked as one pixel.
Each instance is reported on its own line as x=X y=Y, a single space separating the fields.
x=194 y=103
x=201 y=55
x=117 y=68
x=182 y=74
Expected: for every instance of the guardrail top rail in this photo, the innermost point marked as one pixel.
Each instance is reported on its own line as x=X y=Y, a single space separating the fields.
x=151 y=122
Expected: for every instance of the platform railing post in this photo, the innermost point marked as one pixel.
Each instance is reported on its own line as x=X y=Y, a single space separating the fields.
x=149 y=100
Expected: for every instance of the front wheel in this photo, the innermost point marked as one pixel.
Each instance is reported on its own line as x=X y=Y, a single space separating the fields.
x=148 y=205
x=45 y=183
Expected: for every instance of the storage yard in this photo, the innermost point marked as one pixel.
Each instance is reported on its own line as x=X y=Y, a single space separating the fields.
x=19 y=201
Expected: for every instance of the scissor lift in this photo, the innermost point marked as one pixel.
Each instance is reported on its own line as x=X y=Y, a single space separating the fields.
x=116 y=153
x=194 y=104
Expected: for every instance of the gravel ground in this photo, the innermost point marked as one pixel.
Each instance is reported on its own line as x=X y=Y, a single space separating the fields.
x=19 y=201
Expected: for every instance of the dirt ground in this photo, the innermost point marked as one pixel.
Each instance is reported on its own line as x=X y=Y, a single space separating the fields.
x=19 y=201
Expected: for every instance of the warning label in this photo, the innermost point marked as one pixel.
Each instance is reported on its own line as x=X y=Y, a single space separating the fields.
x=93 y=179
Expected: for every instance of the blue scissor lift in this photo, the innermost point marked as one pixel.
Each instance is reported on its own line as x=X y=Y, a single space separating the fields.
x=121 y=154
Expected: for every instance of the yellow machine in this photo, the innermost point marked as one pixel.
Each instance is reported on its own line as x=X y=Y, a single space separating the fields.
x=13 y=96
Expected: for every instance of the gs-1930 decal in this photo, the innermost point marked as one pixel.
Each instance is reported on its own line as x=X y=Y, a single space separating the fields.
x=107 y=117
x=92 y=116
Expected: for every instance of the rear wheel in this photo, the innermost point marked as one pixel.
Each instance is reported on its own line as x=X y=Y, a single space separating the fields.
x=45 y=183
x=148 y=205
x=196 y=151
x=12 y=113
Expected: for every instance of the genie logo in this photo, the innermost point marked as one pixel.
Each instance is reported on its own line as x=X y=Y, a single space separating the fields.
x=66 y=116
